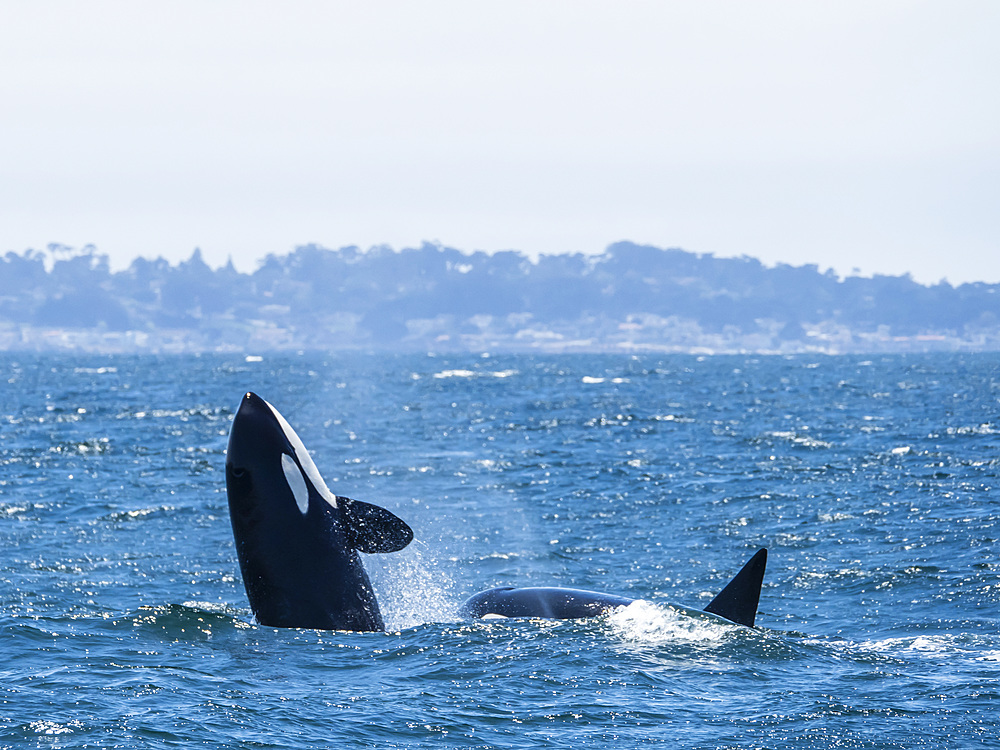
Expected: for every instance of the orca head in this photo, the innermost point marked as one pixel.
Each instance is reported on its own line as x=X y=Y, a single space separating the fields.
x=269 y=472
x=266 y=463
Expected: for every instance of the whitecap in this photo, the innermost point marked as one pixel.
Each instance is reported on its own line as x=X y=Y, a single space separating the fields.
x=933 y=646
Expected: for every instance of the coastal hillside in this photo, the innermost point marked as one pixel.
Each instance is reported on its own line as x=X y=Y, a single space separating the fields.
x=433 y=298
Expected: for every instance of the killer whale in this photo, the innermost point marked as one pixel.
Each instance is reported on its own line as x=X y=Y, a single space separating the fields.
x=737 y=602
x=296 y=541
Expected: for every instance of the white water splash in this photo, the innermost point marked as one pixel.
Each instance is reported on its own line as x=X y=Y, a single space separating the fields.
x=645 y=622
x=410 y=590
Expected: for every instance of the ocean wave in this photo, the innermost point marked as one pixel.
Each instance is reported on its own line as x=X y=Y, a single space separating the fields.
x=191 y=620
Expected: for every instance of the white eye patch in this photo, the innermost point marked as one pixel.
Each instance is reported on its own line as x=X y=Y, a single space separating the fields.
x=296 y=482
x=305 y=459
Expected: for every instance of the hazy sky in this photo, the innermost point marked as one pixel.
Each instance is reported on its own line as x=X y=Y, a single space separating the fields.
x=851 y=134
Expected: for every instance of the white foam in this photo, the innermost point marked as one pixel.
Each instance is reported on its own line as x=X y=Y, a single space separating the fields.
x=982 y=429
x=934 y=646
x=797 y=439
x=645 y=622
x=51 y=727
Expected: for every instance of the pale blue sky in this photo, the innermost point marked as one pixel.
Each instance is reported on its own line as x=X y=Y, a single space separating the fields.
x=851 y=135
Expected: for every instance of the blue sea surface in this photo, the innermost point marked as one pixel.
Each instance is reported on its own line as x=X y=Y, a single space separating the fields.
x=872 y=481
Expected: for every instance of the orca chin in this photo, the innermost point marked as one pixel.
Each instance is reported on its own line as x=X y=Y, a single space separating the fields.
x=296 y=541
x=737 y=602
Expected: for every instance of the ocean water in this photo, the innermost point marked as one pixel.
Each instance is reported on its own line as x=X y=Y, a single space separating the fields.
x=872 y=481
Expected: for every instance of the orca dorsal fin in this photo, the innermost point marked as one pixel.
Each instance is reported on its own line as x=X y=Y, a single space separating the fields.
x=373 y=529
x=738 y=601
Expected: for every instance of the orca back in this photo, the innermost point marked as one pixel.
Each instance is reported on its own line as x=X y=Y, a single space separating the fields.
x=548 y=603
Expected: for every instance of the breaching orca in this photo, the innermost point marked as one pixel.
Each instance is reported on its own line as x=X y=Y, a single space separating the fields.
x=297 y=542
x=737 y=602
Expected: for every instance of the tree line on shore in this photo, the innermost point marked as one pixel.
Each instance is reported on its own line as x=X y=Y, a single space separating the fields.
x=386 y=293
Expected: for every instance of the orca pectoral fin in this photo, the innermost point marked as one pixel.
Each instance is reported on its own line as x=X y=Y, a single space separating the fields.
x=373 y=529
x=738 y=601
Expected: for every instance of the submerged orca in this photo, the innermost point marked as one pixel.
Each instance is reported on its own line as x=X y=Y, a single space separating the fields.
x=297 y=542
x=737 y=602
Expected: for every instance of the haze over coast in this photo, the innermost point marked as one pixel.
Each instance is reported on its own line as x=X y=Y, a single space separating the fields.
x=630 y=298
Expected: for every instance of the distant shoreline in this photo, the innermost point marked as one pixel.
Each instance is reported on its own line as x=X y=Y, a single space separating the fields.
x=633 y=298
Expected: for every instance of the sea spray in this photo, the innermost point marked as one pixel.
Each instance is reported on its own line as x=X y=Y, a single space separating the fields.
x=411 y=589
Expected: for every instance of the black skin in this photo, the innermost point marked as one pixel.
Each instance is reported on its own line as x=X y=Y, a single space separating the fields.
x=300 y=570
x=548 y=603
x=737 y=602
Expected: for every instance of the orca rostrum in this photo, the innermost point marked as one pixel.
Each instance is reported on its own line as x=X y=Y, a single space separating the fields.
x=737 y=602
x=297 y=542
